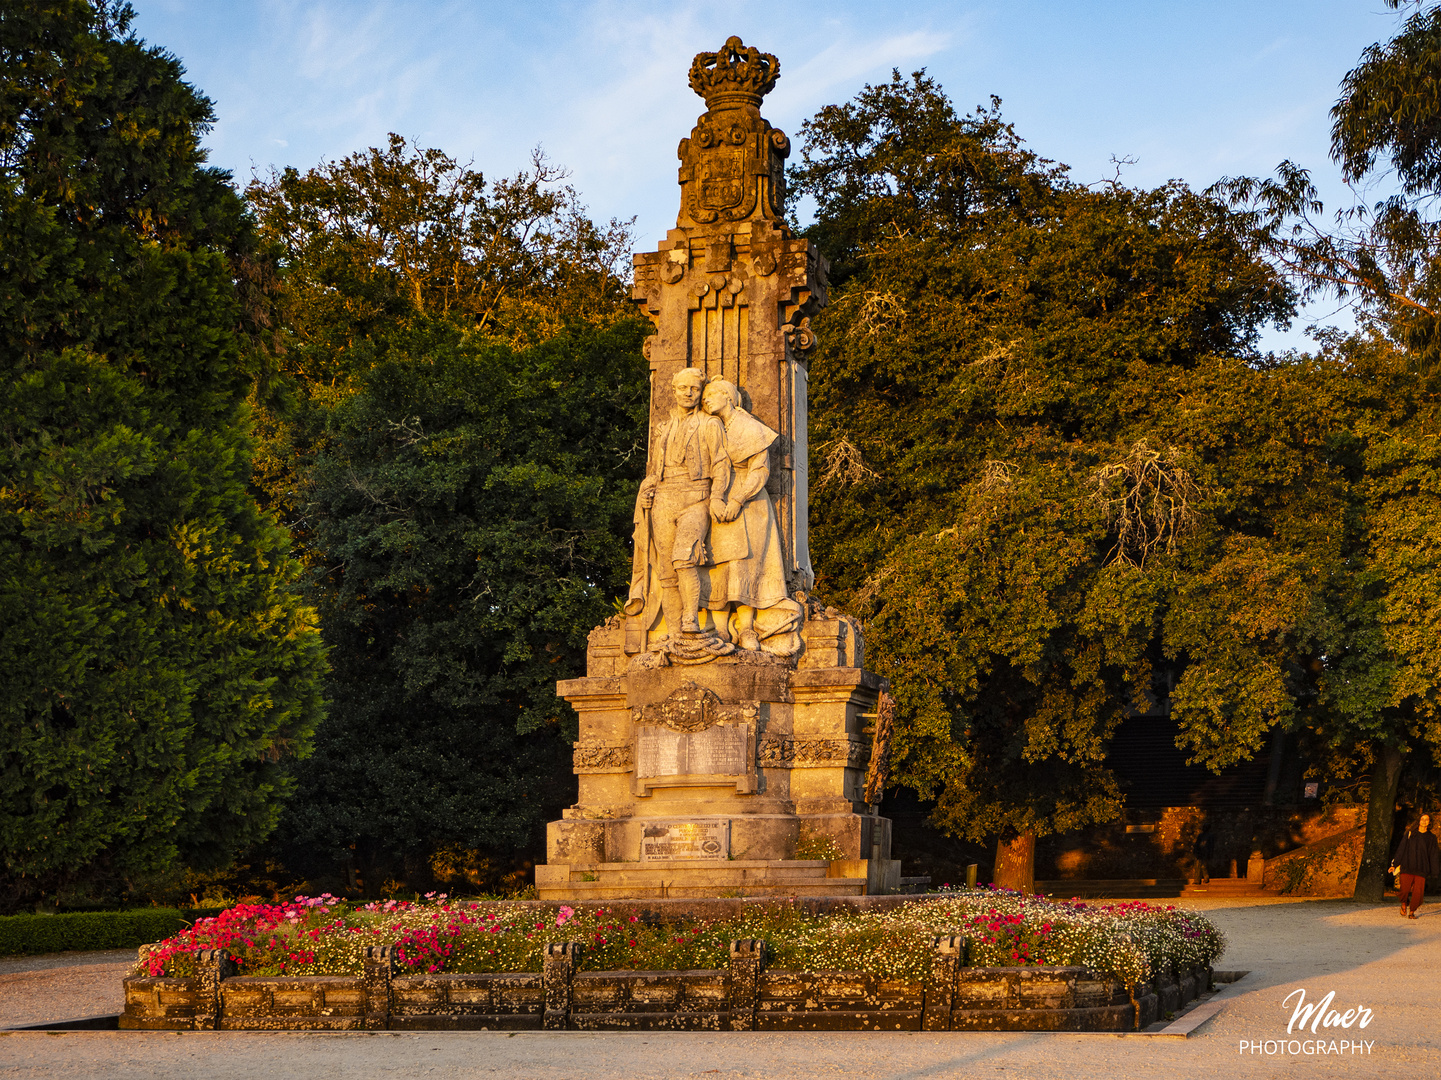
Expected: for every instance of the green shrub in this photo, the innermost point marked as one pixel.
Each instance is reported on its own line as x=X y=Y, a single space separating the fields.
x=93 y=930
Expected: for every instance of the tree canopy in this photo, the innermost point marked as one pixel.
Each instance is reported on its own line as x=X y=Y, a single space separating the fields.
x=158 y=665
x=1375 y=685
x=385 y=237
x=456 y=454
x=1049 y=462
x=470 y=508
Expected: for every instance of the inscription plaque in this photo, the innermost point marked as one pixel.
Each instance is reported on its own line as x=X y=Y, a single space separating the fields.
x=714 y=751
x=664 y=840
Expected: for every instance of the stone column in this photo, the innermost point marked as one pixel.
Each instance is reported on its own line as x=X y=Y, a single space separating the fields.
x=747 y=962
x=946 y=957
x=212 y=967
x=556 y=975
x=375 y=985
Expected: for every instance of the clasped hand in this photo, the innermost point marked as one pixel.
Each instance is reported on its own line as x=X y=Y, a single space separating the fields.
x=722 y=510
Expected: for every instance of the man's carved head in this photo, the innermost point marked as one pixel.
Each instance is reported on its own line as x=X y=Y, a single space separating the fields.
x=687 y=383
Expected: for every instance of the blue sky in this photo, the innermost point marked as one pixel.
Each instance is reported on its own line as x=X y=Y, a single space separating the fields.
x=1190 y=90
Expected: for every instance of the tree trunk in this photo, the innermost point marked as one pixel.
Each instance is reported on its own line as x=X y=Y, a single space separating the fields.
x=1016 y=863
x=1376 y=855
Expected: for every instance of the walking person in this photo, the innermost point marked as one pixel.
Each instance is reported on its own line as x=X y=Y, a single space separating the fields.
x=1416 y=859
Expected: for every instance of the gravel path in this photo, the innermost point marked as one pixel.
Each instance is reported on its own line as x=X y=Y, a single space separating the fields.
x=1366 y=954
x=61 y=986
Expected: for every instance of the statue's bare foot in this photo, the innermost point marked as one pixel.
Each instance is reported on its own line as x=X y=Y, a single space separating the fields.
x=749 y=640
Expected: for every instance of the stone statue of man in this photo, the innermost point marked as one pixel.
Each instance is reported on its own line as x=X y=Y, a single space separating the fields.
x=688 y=461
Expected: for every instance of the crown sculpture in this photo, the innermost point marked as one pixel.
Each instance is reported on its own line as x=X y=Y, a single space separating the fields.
x=730 y=737
x=735 y=74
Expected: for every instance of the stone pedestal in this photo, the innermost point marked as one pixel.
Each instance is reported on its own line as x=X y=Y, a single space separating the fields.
x=742 y=776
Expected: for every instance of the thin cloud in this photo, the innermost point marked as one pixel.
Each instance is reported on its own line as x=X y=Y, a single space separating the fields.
x=1280 y=44
x=848 y=63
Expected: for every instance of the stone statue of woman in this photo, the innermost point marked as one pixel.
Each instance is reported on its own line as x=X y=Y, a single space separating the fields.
x=748 y=576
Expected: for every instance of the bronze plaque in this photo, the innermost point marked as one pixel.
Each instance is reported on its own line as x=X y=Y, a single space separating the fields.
x=665 y=840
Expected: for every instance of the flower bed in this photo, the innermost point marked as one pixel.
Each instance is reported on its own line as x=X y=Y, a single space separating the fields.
x=1130 y=943
x=977 y=960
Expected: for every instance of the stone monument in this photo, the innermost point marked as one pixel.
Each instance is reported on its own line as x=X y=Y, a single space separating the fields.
x=731 y=740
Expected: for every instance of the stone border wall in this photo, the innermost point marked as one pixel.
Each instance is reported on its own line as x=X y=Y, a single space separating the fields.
x=742 y=997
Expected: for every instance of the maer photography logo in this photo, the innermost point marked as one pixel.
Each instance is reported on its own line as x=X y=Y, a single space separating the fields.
x=1311 y=1029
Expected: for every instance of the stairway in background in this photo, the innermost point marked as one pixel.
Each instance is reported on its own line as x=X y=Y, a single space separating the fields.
x=1231 y=888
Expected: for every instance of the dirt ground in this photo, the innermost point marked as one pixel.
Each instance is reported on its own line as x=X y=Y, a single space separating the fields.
x=1367 y=955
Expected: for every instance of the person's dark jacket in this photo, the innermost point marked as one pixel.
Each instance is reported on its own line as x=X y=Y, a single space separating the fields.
x=1417 y=854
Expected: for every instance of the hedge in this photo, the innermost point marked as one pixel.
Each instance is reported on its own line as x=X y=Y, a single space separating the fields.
x=93 y=930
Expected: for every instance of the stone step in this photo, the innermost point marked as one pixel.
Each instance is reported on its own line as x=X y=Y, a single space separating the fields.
x=1151 y=888
x=691 y=879
x=1230 y=887
x=1112 y=888
x=636 y=873
x=818 y=866
x=618 y=890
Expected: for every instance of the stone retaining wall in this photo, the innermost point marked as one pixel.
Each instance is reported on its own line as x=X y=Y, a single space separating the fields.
x=742 y=997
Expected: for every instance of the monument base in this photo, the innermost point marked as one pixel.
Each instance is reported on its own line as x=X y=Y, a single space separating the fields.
x=745 y=776
x=738 y=878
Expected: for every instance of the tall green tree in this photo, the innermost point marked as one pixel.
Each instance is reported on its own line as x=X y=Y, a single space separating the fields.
x=1011 y=486
x=385 y=237
x=1382 y=251
x=388 y=239
x=1377 y=682
x=471 y=506
x=456 y=459
x=1381 y=680
x=157 y=665
x=1358 y=549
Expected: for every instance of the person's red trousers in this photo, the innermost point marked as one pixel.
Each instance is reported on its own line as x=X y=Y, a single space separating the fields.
x=1411 y=887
